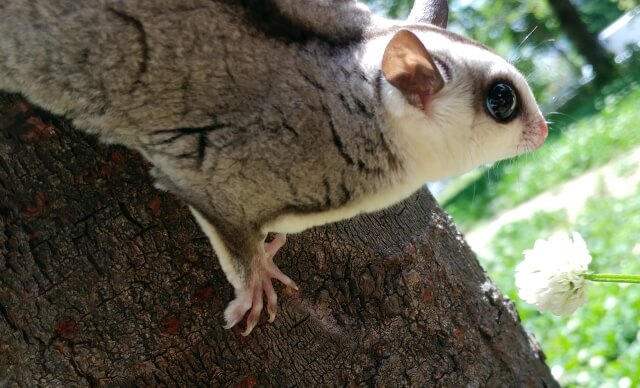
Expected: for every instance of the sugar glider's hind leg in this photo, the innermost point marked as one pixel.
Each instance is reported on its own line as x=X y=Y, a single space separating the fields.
x=250 y=297
x=250 y=276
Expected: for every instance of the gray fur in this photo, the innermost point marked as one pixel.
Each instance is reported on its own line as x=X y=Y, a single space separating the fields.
x=240 y=119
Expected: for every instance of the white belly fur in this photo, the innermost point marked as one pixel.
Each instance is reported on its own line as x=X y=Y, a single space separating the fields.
x=295 y=223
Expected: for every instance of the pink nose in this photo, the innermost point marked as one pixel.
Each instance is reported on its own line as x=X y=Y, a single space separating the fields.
x=544 y=130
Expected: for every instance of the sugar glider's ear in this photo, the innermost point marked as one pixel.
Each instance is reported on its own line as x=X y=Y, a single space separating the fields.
x=407 y=65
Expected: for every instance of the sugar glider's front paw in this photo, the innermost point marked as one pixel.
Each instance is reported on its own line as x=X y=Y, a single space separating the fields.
x=249 y=298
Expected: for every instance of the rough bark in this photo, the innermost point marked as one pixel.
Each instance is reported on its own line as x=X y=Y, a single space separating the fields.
x=106 y=281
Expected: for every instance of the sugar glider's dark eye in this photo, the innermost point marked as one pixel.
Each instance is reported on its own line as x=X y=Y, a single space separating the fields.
x=501 y=101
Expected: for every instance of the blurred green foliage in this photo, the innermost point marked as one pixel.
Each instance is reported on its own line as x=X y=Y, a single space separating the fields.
x=599 y=345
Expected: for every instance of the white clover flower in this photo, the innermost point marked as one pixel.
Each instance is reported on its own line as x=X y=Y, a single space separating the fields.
x=624 y=382
x=550 y=277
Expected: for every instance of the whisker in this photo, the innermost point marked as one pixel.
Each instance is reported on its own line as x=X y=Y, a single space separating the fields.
x=527 y=37
x=531 y=75
x=544 y=42
x=560 y=124
x=562 y=114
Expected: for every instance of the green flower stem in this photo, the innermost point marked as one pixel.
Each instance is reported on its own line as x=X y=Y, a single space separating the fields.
x=612 y=278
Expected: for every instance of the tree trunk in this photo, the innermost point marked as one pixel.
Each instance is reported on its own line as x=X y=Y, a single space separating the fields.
x=584 y=41
x=106 y=281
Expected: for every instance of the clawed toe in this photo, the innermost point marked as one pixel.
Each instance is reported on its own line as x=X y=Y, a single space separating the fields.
x=276 y=273
x=250 y=299
x=254 y=314
x=236 y=310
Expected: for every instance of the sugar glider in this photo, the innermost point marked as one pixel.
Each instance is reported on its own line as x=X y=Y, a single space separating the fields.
x=271 y=116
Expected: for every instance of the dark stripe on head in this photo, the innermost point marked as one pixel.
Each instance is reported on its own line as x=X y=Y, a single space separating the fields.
x=426 y=28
